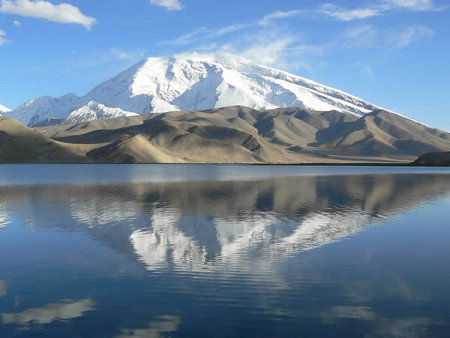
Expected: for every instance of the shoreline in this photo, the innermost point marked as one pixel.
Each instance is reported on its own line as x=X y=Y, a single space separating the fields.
x=350 y=164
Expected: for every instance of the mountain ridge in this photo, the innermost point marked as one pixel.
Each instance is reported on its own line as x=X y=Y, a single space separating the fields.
x=193 y=81
x=240 y=134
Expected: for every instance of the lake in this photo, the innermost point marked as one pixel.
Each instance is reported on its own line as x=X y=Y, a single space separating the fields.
x=218 y=251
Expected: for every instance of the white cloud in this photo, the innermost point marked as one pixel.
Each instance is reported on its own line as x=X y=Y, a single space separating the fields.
x=377 y=9
x=267 y=50
x=278 y=15
x=415 y=5
x=3 y=39
x=348 y=14
x=170 y=5
x=270 y=47
x=17 y=23
x=63 y=13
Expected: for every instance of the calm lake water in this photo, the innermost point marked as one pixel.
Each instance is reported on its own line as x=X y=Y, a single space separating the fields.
x=215 y=251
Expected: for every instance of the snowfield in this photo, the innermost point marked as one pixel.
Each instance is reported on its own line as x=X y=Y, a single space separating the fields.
x=4 y=109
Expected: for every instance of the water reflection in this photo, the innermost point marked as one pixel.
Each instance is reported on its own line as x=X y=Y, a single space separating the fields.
x=162 y=325
x=156 y=256
x=194 y=226
x=63 y=311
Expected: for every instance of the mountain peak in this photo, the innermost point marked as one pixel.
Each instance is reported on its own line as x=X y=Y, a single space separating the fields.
x=193 y=81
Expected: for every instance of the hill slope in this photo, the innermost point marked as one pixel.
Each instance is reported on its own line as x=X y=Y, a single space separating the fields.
x=19 y=144
x=243 y=135
x=442 y=158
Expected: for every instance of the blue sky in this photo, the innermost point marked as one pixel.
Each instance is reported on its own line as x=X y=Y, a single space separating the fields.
x=394 y=53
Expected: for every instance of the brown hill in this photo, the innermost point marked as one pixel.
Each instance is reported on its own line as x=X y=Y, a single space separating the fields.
x=434 y=159
x=242 y=135
x=19 y=144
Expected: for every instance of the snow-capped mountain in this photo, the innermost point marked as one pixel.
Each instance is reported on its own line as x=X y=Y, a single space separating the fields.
x=4 y=109
x=193 y=82
x=35 y=111
x=95 y=111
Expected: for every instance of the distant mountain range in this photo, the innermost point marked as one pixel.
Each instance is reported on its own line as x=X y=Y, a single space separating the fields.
x=189 y=82
x=226 y=135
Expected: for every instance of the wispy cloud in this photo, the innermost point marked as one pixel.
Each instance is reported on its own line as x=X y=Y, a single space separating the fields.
x=367 y=36
x=170 y=5
x=266 y=47
x=376 y=9
x=279 y=15
x=62 y=13
x=408 y=35
x=363 y=36
x=414 y=5
x=190 y=37
x=267 y=41
x=329 y=10
x=343 y=14
x=17 y=23
x=3 y=39
x=204 y=33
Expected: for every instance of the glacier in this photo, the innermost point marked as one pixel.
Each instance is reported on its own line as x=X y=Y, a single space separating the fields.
x=190 y=81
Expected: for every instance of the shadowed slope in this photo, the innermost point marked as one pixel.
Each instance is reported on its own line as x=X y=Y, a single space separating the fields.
x=382 y=133
x=21 y=144
x=434 y=159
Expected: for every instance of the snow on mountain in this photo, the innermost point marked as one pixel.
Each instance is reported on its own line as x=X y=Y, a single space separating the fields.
x=194 y=82
x=4 y=109
x=95 y=111
x=35 y=111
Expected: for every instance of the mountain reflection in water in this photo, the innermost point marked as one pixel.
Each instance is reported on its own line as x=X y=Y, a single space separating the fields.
x=205 y=225
x=213 y=233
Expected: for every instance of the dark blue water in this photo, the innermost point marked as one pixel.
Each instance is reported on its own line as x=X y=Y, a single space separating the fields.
x=110 y=251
